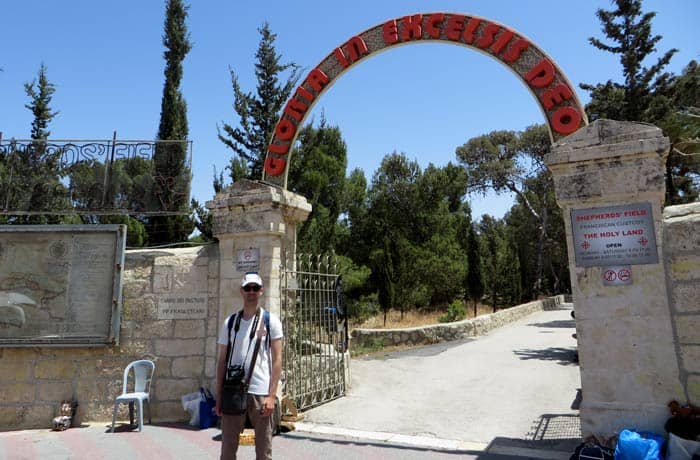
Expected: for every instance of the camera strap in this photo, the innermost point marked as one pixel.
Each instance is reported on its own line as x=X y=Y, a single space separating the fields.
x=229 y=348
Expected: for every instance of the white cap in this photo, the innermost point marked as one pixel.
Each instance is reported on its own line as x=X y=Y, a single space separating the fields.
x=251 y=278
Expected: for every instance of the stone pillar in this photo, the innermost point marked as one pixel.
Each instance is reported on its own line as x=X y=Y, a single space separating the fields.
x=627 y=351
x=256 y=216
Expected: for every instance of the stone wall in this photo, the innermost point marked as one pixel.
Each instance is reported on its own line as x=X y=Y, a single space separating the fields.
x=34 y=380
x=682 y=260
x=446 y=332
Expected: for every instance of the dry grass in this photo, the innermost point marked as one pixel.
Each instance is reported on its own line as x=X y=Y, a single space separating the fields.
x=413 y=318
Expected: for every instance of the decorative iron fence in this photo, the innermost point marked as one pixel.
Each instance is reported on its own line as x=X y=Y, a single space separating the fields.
x=94 y=176
x=313 y=317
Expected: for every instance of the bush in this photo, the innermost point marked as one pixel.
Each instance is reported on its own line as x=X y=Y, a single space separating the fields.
x=363 y=308
x=455 y=312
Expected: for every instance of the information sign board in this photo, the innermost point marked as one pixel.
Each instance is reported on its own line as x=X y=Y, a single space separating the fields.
x=614 y=236
x=248 y=260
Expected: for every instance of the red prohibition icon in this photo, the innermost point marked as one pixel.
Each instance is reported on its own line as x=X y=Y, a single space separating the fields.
x=624 y=275
x=610 y=275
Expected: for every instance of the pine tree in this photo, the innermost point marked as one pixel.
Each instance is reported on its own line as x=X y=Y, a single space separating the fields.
x=630 y=31
x=171 y=168
x=258 y=113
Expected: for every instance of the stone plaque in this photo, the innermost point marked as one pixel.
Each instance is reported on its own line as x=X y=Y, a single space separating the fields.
x=182 y=306
x=614 y=236
x=248 y=260
x=60 y=284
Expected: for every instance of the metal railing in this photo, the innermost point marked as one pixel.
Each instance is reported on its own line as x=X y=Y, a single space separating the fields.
x=94 y=176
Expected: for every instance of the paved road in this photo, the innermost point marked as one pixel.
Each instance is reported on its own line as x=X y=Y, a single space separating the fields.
x=508 y=385
x=504 y=395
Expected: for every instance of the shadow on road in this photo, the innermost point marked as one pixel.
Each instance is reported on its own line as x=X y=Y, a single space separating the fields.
x=558 y=323
x=558 y=434
x=377 y=444
x=565 y=356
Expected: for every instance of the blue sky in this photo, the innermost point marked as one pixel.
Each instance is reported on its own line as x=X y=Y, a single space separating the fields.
x=426 y=99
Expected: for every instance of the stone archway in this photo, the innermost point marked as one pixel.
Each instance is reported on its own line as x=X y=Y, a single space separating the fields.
x=636 y=351
x=551 y=89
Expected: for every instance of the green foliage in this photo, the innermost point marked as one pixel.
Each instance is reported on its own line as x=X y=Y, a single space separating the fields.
x=318 y=173
x=258 y=113
x=203 y=221
x=31 y=175
x=474 y=282
x=649 y=94
x=41 y=92
x=363 y=307
x=171 y=164
x=509 y=161
x=682 y=126
x=455 y=312
x=135 y=230
x=629 y=30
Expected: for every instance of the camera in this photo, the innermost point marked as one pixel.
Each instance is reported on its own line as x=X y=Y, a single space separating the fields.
x=235 y=374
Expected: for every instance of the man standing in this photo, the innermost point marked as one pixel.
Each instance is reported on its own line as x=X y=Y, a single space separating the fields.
x=265 y=375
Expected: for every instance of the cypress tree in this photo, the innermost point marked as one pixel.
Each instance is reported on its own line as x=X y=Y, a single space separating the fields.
x=171 y=168
x=475 y=285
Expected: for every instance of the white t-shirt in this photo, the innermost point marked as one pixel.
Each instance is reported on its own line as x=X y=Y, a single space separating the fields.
x=260 y=380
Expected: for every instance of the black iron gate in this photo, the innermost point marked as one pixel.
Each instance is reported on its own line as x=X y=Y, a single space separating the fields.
x=313 y=317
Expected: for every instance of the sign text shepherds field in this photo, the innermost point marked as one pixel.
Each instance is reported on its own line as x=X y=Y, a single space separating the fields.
x=615 y=235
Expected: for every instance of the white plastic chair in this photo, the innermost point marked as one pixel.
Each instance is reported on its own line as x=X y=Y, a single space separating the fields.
x=143 y=374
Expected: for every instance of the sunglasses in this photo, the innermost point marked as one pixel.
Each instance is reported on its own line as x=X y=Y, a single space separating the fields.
x=252 y=287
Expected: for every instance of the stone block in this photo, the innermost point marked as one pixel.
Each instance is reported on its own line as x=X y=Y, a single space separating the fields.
x=684 y=267
x=684 y=297
x=693 y=387
x=174 y=389
x=17 y=392
x=16 y=371
x=688 y=329
x=98 y=390
x=54 y=392
x=139 y=309
x=170 y=411
x=213 y=326
x=188 y=367
x=210 y=368
x=55 y=369
x=152 y=329
x=163 y=367
x=189 y=328
x=690 y=357
x=135 y=347
x=682 y=235
x=578 y=186
x=179 y=347
x=134 y=289
x=110 y=367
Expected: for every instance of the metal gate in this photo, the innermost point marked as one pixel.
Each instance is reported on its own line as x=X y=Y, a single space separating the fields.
x=315 y=329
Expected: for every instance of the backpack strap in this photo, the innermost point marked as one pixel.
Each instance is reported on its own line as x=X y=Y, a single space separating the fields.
x=229 y=324
x=266 y=318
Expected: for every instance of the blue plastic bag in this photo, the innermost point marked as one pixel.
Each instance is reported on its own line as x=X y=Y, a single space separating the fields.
x=633 y=445
x=207 y=408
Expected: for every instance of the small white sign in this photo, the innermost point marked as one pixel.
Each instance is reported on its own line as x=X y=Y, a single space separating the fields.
x=617 y=276
x=182 y=306
x=248 y=260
